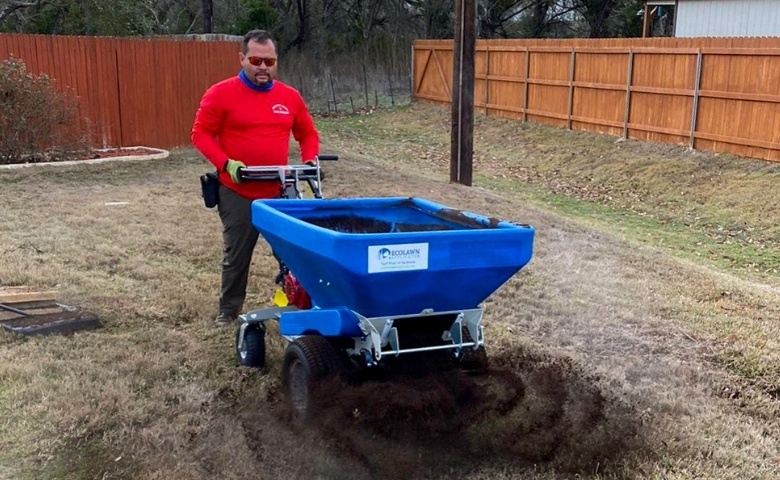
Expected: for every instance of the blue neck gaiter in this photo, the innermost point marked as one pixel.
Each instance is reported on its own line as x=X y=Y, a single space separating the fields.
x=251 y=85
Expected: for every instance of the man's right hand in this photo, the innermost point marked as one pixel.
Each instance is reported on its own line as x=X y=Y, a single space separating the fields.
x=231 y=167
x=313 y=164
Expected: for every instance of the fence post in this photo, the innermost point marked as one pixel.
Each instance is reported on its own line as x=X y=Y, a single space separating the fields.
x=120 y=140
x=411 y=79
x=365 y=83
x=333 y=92
x=695 y=106
x=629 y=79
x=571 y=87
x=487 y=72
x=527 y=74
x=390 y=83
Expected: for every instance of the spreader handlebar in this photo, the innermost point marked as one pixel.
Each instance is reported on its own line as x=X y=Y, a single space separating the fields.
x=280 y=173
x=289 y=175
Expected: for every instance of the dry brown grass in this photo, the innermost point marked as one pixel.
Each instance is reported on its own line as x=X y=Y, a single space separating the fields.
x=676 y=355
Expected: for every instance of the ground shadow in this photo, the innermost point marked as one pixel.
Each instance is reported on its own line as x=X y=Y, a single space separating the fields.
x=528 y=410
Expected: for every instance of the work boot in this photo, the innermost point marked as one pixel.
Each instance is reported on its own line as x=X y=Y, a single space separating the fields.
x=225 y=319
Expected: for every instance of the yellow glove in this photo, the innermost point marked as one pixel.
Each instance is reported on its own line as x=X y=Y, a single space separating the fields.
x=231 y=167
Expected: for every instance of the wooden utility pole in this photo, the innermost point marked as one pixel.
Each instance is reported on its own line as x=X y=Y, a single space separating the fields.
x=462 y=133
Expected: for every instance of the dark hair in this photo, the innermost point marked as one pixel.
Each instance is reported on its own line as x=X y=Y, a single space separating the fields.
x=259 y=36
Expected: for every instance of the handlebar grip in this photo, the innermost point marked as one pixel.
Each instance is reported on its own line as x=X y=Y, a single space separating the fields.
x=327 y=157
x=243 y=174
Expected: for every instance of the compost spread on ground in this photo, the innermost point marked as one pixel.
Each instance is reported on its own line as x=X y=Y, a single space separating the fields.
x=527 y=409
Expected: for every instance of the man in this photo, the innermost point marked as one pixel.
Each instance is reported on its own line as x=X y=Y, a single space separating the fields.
x=246 y=121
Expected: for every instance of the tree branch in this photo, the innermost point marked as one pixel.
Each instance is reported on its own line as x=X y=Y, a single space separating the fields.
x=14 y=6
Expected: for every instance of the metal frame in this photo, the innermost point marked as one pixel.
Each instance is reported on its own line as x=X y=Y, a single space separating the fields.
x=381 y=334
x=259 y=316
x=288 y=176
x=380 y=337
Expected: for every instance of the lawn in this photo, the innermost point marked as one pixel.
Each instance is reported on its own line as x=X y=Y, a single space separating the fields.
x=640 y=342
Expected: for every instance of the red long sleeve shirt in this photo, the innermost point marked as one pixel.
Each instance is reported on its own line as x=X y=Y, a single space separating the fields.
x=237 y=122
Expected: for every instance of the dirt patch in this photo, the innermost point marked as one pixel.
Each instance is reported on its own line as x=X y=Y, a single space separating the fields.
x=529 y=409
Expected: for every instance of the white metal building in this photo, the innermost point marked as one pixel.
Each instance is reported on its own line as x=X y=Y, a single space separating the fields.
x=719 y=18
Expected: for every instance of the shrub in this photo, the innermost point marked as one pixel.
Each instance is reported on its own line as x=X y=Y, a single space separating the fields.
x=37 y=122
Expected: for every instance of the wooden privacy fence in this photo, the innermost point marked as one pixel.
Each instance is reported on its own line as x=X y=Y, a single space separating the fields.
x=131 y=91
x=714 y=94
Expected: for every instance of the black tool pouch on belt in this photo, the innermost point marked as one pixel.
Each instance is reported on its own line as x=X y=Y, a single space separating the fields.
x=209 y=183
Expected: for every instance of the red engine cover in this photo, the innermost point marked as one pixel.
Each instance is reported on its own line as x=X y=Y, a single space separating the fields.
x=296 y=295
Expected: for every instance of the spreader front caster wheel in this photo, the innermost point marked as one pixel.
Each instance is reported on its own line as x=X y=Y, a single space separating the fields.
x=307 y=360
x=250 y=349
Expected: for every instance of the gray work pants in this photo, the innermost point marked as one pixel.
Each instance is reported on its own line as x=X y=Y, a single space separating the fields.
x=239 y=239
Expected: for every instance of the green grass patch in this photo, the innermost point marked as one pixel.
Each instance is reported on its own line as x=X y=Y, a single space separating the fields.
x=674 y=236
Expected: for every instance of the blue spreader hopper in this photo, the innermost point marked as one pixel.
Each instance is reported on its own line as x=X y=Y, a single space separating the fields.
x=377 y=267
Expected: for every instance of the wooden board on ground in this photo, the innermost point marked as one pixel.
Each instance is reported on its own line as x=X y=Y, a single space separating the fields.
x=30 y=312
x=14 y=295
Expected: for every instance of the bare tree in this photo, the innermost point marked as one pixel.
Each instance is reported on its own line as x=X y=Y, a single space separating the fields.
x=322 y=27
x=596 y=14
x=9 y=7
x=435 y=16
x=495 y=16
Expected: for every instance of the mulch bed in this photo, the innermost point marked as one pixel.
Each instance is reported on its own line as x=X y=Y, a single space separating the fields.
x=117 y=152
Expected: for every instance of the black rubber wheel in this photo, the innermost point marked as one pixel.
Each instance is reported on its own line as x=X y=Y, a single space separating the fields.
x=307 y=360
x=252 y=352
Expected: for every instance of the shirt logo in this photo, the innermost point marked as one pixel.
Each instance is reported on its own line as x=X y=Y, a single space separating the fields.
x=280 y=109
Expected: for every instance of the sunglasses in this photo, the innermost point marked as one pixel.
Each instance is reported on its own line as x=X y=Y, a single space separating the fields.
x=257 y=61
